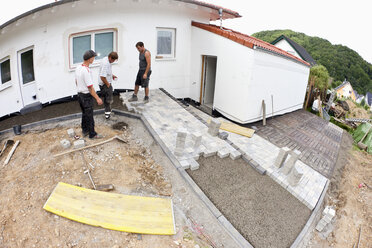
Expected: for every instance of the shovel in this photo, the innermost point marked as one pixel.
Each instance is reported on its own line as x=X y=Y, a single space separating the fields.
x=6 y=144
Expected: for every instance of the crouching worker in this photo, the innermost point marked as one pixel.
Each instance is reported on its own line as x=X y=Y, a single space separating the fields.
x=144 y=72
x=105 y=81
x=87 y=94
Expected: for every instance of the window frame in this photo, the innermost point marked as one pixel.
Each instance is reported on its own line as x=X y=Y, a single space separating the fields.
x=8 y=83
x=171 y=56
x=92 y=34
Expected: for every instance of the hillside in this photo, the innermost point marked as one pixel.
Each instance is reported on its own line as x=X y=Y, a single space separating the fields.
x=340 y=61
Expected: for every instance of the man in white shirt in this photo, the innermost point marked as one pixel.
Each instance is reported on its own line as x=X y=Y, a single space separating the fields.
x=86 y=95
x=105 y=79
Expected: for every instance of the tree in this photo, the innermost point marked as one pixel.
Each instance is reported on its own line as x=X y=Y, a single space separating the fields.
x=336 y=83
x=320 y=76
x=363 y=102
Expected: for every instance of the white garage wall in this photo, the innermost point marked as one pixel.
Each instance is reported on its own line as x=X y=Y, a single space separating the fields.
x=234 y=65
x=247 y=76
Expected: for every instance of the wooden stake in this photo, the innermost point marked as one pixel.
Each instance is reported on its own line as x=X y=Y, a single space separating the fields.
x=11 y=153
x=272 y=106
x=263 y=113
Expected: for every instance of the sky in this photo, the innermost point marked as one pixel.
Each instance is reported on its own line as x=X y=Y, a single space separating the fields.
x=342 y=22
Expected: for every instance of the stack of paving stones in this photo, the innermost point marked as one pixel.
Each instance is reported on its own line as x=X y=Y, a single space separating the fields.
x=166 y=116
x=328 y=214
x=214 y=127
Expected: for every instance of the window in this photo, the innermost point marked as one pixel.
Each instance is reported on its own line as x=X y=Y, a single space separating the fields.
x=102 y=42
x=5 y=70
x=166 y=43
x=27 y=66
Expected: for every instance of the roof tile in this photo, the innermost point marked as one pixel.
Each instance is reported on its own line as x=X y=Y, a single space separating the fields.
x=246 y=40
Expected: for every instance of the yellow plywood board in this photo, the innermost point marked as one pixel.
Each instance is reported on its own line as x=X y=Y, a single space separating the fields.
x=127 y=213
x=233 y=128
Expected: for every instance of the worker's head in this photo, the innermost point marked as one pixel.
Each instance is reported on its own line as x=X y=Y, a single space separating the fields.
x=140 y=46
x=89 y=56
x=113 y=56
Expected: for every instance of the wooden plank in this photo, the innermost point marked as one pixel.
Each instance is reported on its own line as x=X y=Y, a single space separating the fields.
x=127 y=213
x=11 y=153
x=233 y=128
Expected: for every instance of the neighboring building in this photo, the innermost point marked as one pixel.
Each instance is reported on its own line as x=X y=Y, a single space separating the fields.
x=369 y=99
x=220 y=68
x=345 y=90
x=288 y=45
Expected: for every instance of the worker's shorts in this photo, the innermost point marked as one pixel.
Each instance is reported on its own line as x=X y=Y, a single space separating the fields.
x=143 y=82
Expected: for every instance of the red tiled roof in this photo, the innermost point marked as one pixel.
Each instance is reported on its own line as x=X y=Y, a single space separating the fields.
x=246 y=40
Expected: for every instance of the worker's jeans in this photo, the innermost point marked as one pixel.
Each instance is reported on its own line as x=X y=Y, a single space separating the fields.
x=87 y=120
x=107 y=94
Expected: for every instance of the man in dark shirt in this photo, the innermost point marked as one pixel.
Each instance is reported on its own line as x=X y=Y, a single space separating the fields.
x=144 y=72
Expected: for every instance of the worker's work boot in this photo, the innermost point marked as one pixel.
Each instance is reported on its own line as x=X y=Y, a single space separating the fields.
x=146 y=99
x=134 y=98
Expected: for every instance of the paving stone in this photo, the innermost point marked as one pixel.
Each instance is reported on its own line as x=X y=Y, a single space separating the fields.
x=79 y=144
x=223 y=135
x=193 y=164
x=185 y=164
x=71 y=132
x=290 y=162
x=295 y=175
x=235 y=155
x=282 y=156
x=65 y=143
x=223 y=153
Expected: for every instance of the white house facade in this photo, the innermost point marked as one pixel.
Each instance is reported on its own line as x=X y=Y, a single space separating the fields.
x=40 y=50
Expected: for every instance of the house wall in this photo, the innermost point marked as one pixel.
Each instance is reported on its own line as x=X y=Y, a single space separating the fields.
x=346 y=91
x=233 y=72
x=48 y=31
x=279 y=77
x=284 y=45
x=247 y=76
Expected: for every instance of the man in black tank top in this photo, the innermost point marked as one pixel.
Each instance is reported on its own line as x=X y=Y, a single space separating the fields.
x=144 y=72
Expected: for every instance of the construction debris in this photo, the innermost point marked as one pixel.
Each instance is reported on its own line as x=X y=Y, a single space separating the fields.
x=11 y=153
x=65 y=143
x=90 y=177
x=7 y=143
x=328 y=214
x=79 y=144
x=105 y=187
x=71 y=132
x=97 y=144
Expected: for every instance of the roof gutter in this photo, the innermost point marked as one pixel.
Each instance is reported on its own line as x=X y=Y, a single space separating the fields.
x=60 y=2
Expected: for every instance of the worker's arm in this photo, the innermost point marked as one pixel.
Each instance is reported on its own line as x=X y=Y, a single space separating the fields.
x=148 y=60
x=104 y=80
x=94 y=94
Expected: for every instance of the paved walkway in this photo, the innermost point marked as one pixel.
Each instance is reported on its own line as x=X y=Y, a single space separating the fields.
x=318 y=140
x=168 y=118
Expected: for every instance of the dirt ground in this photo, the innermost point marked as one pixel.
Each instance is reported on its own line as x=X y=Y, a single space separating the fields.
x=266 y=214
x=353 y=204
x=133 y=168
x=357 y=112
